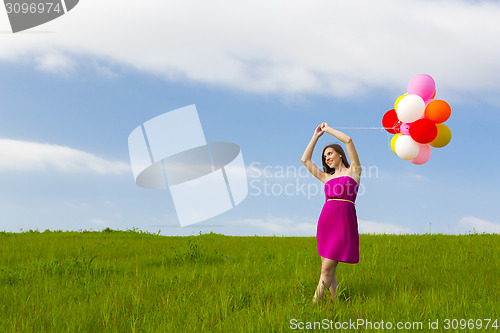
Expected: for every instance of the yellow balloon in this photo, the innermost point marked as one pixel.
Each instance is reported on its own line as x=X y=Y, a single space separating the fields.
x=397 y=102
x=443 y=137
x=393 y=142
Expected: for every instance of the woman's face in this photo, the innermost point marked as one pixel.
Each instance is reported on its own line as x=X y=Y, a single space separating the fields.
x=332 y=158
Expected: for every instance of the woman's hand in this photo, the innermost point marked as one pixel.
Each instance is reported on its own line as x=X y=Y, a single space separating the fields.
x=319 y=130
x=326 y=128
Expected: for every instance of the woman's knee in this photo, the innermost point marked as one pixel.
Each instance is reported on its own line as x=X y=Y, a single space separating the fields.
x=328 y=267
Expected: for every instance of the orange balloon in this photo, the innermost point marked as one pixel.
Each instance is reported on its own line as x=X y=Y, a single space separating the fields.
x=437 y=111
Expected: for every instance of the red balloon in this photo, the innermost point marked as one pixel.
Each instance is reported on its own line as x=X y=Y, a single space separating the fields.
x=391 y=122
x=423 y=131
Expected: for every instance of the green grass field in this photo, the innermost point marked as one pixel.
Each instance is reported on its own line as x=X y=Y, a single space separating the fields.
x=130 y=281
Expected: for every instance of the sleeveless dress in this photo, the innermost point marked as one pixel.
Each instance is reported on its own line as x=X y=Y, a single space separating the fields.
x=337 y=230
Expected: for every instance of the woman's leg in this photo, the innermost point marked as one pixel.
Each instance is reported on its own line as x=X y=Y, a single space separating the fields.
x=327 y=278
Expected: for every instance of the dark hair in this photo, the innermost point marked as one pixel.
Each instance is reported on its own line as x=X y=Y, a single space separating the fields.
x=339 y=151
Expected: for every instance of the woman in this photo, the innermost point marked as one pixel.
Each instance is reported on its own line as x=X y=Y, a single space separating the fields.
x=337 y=231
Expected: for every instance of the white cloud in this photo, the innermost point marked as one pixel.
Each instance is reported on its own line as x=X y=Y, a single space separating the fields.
x=411 y=180
x=33 y=156
x=100 y=223
x=474 y=224
x=332 y=47
x=371 y=227
x=104 y=71
x=307 y=226
x=281 y=226
x=416 y=176
x=54 y=63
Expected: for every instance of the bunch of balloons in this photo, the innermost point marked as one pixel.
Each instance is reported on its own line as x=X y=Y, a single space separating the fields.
x=417 y=121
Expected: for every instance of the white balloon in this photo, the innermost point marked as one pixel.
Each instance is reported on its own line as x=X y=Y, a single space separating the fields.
x=406 y=147
x=410 y=108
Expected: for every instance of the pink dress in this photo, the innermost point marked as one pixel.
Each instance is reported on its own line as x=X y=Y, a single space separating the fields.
x=337 y=231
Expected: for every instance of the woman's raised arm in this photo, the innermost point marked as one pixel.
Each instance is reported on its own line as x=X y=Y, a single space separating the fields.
x=306 y=157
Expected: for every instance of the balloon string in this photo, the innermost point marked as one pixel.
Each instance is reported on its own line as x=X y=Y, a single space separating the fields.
x=363 y=128
x=372 y=128
x=388 y=140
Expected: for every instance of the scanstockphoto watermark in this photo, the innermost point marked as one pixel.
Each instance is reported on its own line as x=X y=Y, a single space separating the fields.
x=364 y=324
x=328 y=324
x=291 y=180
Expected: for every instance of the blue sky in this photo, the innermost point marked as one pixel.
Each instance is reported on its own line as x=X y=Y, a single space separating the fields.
x=261 y=76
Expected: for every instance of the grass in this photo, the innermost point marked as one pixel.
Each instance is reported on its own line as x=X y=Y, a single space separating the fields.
x=130 y=281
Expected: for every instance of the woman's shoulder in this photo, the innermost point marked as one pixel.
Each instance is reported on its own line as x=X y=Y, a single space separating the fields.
x=355 y=173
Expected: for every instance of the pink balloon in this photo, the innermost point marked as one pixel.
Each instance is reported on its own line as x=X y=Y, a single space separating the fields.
x=424 y=154
x=422 y=85
x=405 y=128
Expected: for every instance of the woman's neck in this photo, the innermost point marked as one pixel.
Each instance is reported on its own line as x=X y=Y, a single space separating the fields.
x=339 y=169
